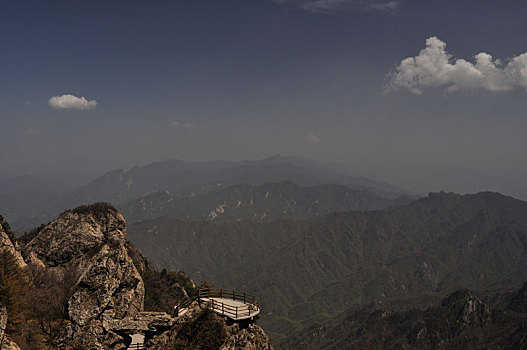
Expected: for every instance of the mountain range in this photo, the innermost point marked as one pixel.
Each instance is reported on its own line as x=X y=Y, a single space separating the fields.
x=28 y=201
x=316 y=244
x=261 y=203
x=308 y=270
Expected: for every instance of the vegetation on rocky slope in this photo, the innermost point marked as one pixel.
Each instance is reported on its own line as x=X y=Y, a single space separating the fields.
x=262 y=203
x=461 y=321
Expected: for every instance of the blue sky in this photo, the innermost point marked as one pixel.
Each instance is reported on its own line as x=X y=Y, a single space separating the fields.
x=203 y=80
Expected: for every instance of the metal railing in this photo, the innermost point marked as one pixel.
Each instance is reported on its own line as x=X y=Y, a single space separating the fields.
x=228 y=294
x=250 y=304
x=137 y=346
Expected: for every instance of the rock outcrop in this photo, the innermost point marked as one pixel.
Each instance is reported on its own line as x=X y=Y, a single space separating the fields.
x=3 y=322
x=78 y=232
x=466 y=311
x=251 y=338
x=7 y=344
x=6 y=244
x=91 y=241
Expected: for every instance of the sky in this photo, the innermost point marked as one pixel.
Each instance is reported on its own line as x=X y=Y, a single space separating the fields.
x=427 y=95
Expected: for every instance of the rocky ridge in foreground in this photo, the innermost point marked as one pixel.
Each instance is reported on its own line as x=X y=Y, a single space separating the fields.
x=90 y=293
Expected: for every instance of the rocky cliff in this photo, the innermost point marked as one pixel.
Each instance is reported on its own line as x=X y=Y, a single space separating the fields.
x=90 y=242
x=7 y=244
x=94 y=282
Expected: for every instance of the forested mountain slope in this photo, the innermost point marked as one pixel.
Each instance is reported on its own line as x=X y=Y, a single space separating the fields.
x=306 y=269
x=261 y=203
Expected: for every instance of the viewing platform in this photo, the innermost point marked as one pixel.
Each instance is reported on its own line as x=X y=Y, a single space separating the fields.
x=235 y=305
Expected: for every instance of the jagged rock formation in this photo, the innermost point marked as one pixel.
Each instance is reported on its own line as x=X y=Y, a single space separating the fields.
x=92 y=241
x=76 y=232
x=5 y=243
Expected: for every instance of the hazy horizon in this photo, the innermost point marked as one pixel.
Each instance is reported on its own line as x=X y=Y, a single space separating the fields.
x=403 y=92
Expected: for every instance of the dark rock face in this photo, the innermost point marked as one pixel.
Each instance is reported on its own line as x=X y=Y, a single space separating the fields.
x=519 y=300
x=466 y=311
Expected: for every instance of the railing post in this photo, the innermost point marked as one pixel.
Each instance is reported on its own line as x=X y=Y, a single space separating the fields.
x=233 y=295
x=221 y=292
x=244 y=297
x=222 y=309
x=236 y=312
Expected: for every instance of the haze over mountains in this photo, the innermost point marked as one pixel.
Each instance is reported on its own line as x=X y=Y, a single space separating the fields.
x=182 y=180
x=261 y=203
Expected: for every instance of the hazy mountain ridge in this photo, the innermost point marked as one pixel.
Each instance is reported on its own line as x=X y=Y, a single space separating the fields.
x=304 y=269
x=51 y=194
x=262 y=203
x=183 y=178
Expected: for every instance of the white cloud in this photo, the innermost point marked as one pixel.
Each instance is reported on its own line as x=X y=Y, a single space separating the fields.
x=313 y=137
x=335 y=6
x=71 y=102
x=186 y=126
x=434 y=67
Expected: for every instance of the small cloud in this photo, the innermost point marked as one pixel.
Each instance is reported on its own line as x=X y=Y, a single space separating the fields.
x=335 y=6
x=31 y=132
x=186 y=126
x=71 y=102
x=434 y=67
x=313 y=137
